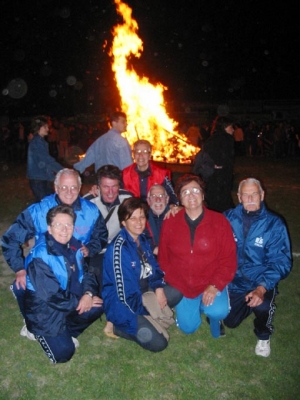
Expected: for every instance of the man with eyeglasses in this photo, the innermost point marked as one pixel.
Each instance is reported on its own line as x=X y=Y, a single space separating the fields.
x=264 y=258
x=109 y=149
x=157 y=200
x=90 y=228
x=141 y=175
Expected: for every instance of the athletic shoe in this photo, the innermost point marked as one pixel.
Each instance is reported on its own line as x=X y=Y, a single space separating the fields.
x=76 y=342
x=263 y=348
x=25 y=332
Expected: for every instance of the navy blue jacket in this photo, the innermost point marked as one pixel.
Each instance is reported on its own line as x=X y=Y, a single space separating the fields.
x=40 y=165
x=122 y=270
x=90 y=228
x=48 y=298
x=264 y=255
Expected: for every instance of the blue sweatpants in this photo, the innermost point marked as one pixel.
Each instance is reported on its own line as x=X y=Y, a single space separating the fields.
x=188 y=313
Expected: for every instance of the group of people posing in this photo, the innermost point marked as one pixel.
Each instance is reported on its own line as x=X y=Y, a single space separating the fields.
x=143 y=253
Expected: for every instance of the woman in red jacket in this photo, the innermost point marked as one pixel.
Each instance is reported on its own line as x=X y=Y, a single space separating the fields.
x=197 y=252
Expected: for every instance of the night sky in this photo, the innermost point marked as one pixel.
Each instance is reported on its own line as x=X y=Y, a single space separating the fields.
x=53 y=60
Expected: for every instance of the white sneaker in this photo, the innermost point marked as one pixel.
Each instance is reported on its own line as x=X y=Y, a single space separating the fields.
x=76 y=342
x=263 y=348
x=25 y=332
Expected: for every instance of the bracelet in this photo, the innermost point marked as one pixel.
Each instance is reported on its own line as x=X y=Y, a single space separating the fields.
x=89 y=293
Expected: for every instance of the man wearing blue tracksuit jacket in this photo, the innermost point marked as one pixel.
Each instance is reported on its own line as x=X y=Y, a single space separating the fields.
x=264 y=258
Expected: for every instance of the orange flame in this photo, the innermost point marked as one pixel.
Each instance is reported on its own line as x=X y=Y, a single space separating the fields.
x=143 y=102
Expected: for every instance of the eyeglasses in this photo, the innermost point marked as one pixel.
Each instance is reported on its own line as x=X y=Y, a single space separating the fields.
x=142 y=151
x=61 y=227
x=71 y=189
x=157 y=196
x=187 y=192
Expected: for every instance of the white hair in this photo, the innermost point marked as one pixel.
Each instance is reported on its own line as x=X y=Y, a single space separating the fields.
x=155 y=186
x=67 y=171
x=250 y=181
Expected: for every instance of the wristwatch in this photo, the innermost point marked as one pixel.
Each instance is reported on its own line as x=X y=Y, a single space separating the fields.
x=89 y=293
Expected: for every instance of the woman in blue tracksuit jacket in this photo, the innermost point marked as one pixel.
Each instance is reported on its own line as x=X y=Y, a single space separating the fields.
x=61 y=298
x=129 y=270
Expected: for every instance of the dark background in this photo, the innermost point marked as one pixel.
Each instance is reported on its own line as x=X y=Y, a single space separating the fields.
x=203 y=51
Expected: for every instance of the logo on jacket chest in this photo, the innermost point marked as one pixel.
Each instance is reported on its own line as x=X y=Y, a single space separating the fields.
x=259 y=242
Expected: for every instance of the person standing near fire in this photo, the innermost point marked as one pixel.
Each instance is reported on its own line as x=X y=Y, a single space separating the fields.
x=144 y=173
x=110 y=148
x=220 y=148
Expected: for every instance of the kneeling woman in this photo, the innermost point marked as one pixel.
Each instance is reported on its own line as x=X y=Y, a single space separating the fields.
x=197 y=252
x=130 y=274
x=60 y=297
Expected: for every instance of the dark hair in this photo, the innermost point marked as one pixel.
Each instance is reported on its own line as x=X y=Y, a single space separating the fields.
x=128 y=207
x=38 y=122
x=61 y=209
x=222 y=123
x=185 y=179
x=116 y=115
x=109 y=171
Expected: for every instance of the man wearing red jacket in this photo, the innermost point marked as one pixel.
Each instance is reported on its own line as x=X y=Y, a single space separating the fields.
x=197 y=252
x=141 y=175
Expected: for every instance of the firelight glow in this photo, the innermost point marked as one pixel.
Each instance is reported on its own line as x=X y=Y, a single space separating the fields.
x=142 y=101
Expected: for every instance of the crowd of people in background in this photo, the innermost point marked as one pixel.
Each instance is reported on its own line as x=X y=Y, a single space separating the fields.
x=68 y=139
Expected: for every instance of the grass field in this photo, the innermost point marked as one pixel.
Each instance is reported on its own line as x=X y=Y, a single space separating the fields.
x=193 y=366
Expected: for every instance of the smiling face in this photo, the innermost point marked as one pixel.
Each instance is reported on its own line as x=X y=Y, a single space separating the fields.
x=142 y=154
x=61 y=228
x=250 y=196
x=109 y=189
x=191 y=197
x=157 y=199
x=68 y=189
x=136 y=224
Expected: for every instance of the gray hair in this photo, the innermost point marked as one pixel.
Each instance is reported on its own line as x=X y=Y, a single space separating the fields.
x=155 y=186
x=250 y=181
x=67 y=171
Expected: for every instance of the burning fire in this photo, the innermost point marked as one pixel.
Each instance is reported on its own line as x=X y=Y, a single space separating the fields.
x=142 y=101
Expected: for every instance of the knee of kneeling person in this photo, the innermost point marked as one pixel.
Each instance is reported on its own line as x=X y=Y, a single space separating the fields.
x=188 y=328
x=159 y=344
x=231 y=323
x=65 y=355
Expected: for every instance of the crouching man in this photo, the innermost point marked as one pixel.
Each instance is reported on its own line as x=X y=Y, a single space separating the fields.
x=264 y=258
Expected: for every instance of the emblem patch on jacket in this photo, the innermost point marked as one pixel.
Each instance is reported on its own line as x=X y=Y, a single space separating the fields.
x=259 y=241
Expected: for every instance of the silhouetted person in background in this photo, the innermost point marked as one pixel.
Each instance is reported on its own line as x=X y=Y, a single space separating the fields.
x=220 y=148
